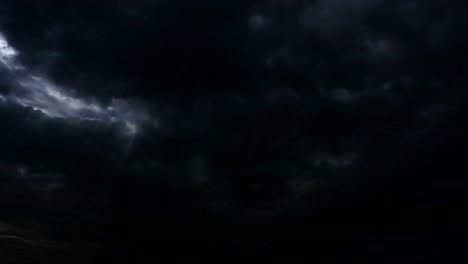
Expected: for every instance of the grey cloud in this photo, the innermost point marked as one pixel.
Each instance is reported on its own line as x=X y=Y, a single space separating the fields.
x=235 y=108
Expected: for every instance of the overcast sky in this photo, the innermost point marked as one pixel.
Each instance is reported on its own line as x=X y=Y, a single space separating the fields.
x=116 y=113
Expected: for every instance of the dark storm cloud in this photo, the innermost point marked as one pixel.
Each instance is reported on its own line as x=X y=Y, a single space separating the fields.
x=158 y=42
x=36 y=147
x=271 y=97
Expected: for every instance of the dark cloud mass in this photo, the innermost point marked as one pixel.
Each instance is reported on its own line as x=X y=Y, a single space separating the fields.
x=237 y=127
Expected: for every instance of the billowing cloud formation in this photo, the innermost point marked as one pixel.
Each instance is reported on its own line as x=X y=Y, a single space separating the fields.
x=237 y=109
x=40 y=94
x=52 y=138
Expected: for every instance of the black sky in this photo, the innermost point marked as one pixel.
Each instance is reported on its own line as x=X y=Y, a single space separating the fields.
x=237 y=127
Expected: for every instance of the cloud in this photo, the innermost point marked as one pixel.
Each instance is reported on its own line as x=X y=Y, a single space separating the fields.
x=188 y=108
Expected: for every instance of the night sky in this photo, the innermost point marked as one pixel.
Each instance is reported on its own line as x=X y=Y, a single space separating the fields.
x=142 y=129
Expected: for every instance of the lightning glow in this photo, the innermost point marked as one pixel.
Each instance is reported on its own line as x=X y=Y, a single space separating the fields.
x=7 y=53
x=41 y=94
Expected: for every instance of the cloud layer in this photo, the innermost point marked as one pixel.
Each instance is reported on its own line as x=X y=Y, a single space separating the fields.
x=233 y=109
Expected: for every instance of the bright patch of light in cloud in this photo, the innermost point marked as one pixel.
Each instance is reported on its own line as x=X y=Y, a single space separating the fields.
x=7 y=53
x=41 y=94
